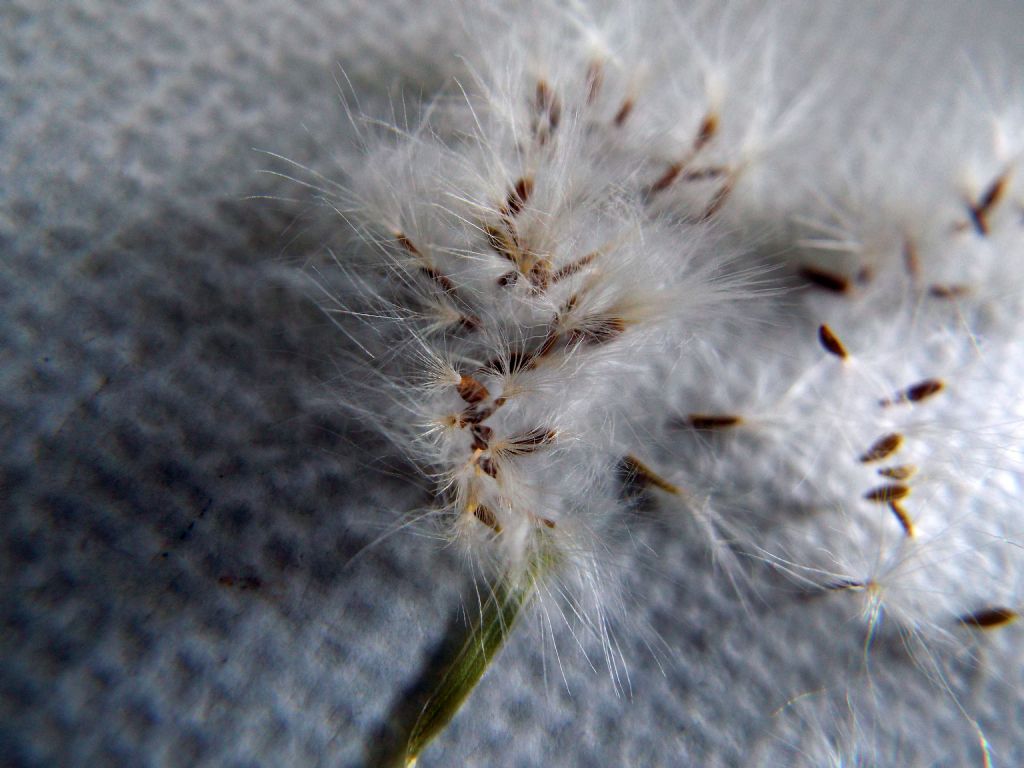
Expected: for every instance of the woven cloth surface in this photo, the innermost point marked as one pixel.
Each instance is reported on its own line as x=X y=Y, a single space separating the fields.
x=180 y=499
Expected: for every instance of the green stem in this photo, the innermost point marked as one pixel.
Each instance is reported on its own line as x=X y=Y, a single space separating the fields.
x=486 y=639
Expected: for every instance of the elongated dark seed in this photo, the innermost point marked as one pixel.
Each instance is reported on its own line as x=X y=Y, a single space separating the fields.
x=990 y=618
x=885 y=494
x=712 y=421
x=831 y=342
x=829 y=281
x=903 y=517
x=884 y=446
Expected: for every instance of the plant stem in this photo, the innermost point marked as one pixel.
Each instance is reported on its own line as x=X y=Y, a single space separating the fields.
x=485 y=640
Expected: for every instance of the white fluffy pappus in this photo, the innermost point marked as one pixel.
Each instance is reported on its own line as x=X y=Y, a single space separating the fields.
x=540 y=303
x=511 y=295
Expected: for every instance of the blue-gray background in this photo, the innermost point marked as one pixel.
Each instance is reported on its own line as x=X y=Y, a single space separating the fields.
x=179 y=496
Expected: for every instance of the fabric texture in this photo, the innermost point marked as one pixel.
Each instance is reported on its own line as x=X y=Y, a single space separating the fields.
x=192 y=562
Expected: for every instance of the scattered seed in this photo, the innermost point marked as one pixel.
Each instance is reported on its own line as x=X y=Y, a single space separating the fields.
x=509 y=278
x=993 y=194
x=708 y=129
x=471 y=390
x=436 y=276
x=528 y=442
x=924 y=389
x=990 y=618
x=539 y=275
x=469 y=322
x=718 y=200
x=623 y=113
x=482 y=435
x=407 y=244
x=951 y=291
x=903 y=517
x=487 y=517
x=487 y=466
x=638 y=473
x=598 y=330
x=916 y=392
x=712 y=421
x=705 y=174
x=547 y=103
x=547 y=523
x=886 y=494
x=518 y=197
x=666 y=179
x=829 y=281
x=474 y=416
x=831 y=342
x=548 y=107
x=883 y=447
x=571 y=269
x=901 y=472
x=503 y=241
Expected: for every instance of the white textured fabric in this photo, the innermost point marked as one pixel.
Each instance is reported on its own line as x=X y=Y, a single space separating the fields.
x=179 y=496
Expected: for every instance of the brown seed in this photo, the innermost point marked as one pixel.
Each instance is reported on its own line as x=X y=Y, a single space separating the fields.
x=487 y=466
x=471 y=390
x=886 y=494
x=705 y=174
x=482 y=435
x=884 y=446
x=571 y=269
x=990 y=618
x=598 y=330
x=991 y=197
x=708 y=129
x=548 y=106
x=718 y=200
x=440 y=279
x=549 y=345
x=547 y=523
x=518 y=196
x=666 y=179
x=826 y=280
x=486 y=516
x=923 y=389
x=545 y=98
x=638 y=473
x=509 y=278
x=831 y=342
x=540 y=276
x=503 y=241
x=951 y=291
x=623 y=113
x=474 y=416
x=916 y=392
x=712 y=421
x=406 y=243
x=901 y=472
x=469 y=322
x=903 y=517
x=528 y=442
